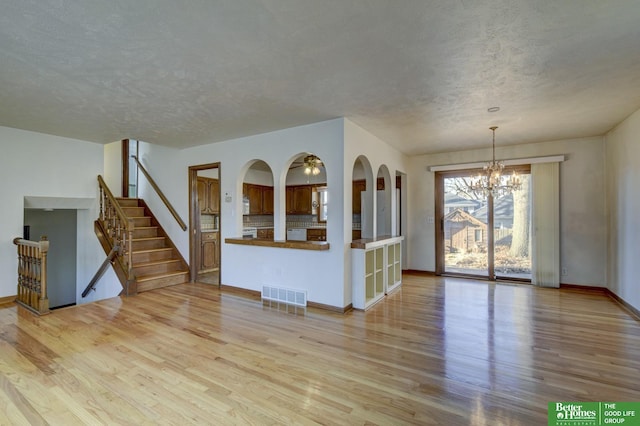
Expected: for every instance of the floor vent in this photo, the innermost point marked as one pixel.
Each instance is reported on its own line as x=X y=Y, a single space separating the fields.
x=285 y=295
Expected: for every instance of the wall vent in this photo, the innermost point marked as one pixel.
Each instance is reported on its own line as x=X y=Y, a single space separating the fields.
x=285 y=295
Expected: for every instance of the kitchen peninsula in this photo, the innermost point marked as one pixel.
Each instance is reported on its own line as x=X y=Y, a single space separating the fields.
x=301 y=245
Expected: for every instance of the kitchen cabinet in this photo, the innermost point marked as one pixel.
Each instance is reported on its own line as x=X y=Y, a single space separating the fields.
x=267 y=200
x=316 y=234
x=208 y=195
x=265 y=233
x=298 y=199
x=260 y=198
x=254 y=192
x=356 y=197
x=209 y=251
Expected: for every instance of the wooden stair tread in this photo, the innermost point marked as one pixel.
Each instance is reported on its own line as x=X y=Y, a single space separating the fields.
x=153 y=250
x=156 y=262
x=148 y=238
x=162 y=275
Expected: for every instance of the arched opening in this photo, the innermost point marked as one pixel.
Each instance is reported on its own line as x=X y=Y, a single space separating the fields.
x=307 y=199
x=257 y=201
x=362 y=199
x=383 y=201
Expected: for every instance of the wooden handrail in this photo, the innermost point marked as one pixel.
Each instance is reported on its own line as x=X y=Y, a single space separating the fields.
x=32 y=274
x=164 y=199
x=115 y=251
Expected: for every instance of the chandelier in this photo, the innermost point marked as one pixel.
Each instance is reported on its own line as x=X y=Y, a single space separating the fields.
x=311 y=165
x=491 y=181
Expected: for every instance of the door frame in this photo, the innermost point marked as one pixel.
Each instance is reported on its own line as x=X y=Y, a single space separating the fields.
x=439 y=222
x=194 y=220
x=126 y=154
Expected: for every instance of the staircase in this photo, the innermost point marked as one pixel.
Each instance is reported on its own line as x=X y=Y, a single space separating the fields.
x=156 y=262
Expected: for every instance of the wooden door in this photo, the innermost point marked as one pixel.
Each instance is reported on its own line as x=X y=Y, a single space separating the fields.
x=216 y=250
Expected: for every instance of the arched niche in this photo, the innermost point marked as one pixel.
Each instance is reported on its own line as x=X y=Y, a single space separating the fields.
x=384 y=189
x=257 y=198
x=362 y=198
x=307 y=205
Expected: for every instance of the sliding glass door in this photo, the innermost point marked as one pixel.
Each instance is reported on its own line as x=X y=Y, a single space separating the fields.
x=482 y=236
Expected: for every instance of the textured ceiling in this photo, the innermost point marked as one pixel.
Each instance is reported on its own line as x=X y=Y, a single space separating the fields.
x=419 y=74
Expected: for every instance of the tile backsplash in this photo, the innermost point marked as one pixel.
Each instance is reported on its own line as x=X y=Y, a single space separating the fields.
x=209 y=221
x=293 y=221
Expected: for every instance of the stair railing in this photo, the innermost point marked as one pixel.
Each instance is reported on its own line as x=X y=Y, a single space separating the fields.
x=164 y=199
x=118 y=227
x=109 y=260
x=32 y=274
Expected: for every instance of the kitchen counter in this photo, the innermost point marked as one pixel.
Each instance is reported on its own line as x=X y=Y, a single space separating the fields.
x=367 y=243
x=301 y=245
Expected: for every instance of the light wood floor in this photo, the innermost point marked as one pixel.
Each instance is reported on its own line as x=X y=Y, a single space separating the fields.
x=439 y=351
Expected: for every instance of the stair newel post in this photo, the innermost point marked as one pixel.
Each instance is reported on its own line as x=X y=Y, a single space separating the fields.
x=33 y=273
x=101 y=197
x=114 y=224
x=130 y=229
x=43 y=302
x=118 y=234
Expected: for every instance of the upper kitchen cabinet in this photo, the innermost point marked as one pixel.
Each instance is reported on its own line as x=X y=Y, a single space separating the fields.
x=267 y=200
x=257 y=190
x=299 y=199
x=208 y=195
x=260 y=198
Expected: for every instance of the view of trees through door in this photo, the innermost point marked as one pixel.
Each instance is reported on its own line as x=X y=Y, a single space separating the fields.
x=484 y=236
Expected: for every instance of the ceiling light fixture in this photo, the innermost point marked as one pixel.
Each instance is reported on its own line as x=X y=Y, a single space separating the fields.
x=311 y=165
x=491 y=181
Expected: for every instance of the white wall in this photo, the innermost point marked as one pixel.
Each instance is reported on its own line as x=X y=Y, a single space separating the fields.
x=326 y=275
x=582 y=205
x=357 y=142
x=38 y=165
x=250 y=267
x=258 y=177
x=113 y=167
x=623 y=201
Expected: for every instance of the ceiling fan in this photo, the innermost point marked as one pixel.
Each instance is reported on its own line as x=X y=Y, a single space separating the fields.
x=311 y=164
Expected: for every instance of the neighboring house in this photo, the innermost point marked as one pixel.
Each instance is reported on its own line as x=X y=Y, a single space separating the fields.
x=463 y=232
x=453 y=202
x=502 y=213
